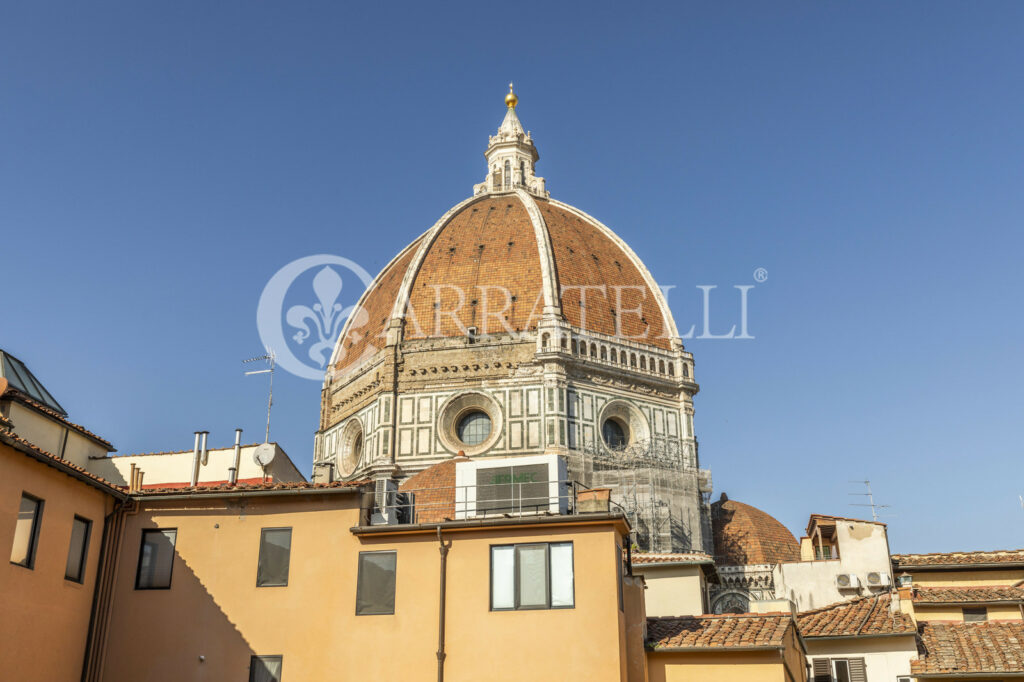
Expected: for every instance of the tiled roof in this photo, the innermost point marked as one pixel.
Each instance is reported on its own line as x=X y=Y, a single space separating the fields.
x=672 y=558
x=971 y=594
x=840 y=518
x=1003 y=556
x=995 y=647
x=718 y=632
x=18 y=443
x=40 y=407
x=214 y=490
x=746 y=535
x=860 y=617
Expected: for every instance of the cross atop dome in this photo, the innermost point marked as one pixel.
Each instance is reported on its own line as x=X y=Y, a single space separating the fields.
x=511 y=156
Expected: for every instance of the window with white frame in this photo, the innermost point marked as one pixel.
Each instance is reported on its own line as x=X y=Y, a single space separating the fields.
x=532 y=576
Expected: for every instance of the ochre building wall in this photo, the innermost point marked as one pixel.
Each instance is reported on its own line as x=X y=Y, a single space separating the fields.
x=44 y=618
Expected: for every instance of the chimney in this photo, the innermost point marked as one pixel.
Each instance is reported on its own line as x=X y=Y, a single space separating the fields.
x=195 y=460
x=233 y=471
x=138 y=485
x=131 y=479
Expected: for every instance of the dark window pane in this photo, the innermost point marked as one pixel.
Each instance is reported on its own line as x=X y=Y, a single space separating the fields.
x=75 y=568
x=156 y=558
x=474 y=428
x=265 y=668
x=532 y=565
x=842 y=670
x=375 y=592
x=976 y=615
x=26 y=531
x=275 y=555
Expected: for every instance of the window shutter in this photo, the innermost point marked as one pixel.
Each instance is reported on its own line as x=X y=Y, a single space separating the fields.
x=857 y=672
x=822 y=670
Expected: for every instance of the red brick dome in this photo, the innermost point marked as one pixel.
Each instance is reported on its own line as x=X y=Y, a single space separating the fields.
x=497 y=262
x=746 y=535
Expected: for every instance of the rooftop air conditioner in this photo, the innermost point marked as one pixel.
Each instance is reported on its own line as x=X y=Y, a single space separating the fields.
x=878 y=579
x=385 y=503
x=847 y=581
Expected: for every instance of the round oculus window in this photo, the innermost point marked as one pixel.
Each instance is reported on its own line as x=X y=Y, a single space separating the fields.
x=474 y=428
x=615 y=434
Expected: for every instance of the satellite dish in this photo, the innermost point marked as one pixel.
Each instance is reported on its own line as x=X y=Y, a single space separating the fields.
x=264 y=454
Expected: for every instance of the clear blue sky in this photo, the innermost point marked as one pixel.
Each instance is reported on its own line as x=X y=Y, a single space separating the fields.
x=160 y=161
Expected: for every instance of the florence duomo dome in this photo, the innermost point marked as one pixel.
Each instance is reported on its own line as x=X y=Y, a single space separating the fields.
x=520 y=325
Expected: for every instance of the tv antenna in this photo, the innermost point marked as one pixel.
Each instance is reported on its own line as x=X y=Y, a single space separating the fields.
x=269 y=357
x=870 y=502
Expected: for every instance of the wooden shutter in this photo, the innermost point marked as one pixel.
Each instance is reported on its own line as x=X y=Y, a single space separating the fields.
x=857 y=672
x=822 y=670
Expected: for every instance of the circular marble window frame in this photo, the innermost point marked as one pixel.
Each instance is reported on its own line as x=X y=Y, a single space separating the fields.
x=347 y=437
x=628 y=416
x=458 y=406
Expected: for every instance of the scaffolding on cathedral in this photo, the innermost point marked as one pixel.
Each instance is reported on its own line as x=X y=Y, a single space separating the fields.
x=657 y=484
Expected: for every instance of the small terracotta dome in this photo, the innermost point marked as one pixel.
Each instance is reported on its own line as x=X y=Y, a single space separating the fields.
x=746 y=535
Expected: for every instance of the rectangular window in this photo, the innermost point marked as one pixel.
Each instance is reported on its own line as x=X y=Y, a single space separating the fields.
x=841 y=668
x=156 y=559
x=534 y=576
x=275 y=555
x=976 y=615
x=78 y=550
x=26 y=531
x=375 y=588
x=265 y=668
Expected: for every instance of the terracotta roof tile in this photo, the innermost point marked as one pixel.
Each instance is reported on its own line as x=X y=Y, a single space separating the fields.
x=35 y=404
x=983 y=594
x=860 y=617
x=718 y=632
x=1003 y=556
x=672 y=558
x=995 y=647
x=746 y=535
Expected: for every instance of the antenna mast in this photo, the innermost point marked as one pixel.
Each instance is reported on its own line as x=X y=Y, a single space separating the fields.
x=871 y=500
x=269 y=357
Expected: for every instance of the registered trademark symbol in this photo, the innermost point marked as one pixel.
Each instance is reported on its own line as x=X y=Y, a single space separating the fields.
x=760 y=275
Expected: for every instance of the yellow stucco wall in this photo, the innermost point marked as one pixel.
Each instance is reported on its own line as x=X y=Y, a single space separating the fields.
x=955 y=578
x=750 y=666
x=215 y=610
x=923 y=612
x=672 y=590
x=44 y=619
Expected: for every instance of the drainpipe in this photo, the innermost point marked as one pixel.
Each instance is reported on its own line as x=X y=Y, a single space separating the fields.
x=440 y=615
x=233 y=471
x=195 y=461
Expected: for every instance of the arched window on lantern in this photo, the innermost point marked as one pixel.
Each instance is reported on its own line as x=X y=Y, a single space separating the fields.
x=545 y=340
x=604 y=353
x=508 y=174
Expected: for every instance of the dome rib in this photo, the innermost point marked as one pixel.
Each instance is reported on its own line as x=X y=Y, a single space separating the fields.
x=666 y=313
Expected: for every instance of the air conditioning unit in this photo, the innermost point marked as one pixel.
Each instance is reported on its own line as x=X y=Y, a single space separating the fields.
x=878 y=579
x=513 y=486
x=385 y=503
x=847 y=581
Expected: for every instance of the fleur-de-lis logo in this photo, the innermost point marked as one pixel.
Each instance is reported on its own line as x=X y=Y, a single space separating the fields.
x=324 y=320
x=315 y=325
